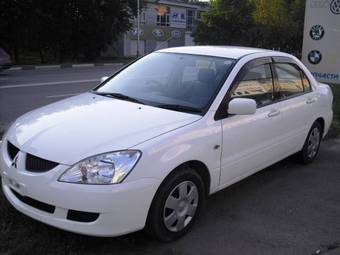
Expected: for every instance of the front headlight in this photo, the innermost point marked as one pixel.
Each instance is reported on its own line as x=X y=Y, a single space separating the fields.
x=108 y=168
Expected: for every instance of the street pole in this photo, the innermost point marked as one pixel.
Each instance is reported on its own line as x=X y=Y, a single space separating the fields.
x=138 y=26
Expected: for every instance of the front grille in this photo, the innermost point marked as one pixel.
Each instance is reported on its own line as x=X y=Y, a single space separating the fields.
x=82 y=216
x=12 y=150
x=36 y=164
x=34 y=203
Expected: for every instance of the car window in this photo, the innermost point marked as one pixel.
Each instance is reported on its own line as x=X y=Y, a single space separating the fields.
x=257 y=84
x=306 y=83
x=160 y=79
x=289 y=80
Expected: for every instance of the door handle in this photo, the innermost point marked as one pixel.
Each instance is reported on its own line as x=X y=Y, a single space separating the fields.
x=273 y=113
x=310 y=100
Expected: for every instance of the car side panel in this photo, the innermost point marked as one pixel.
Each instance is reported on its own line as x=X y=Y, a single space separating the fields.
x=297 y=119
x=250 y=142
x=199 y=141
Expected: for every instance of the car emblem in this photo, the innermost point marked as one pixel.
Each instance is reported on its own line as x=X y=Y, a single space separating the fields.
x=317 y=32
x=335 y=6
x=15 y=162
x=314 y=57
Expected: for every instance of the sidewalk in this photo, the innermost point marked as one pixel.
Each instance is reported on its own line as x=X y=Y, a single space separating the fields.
x=33 y=67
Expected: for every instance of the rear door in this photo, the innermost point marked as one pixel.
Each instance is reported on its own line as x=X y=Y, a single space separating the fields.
x=296 y=99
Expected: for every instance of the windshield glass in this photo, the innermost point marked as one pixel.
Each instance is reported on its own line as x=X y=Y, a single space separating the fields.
x=170 y=80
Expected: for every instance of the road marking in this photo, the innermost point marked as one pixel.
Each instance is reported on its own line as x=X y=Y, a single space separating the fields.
x=62 y=95
x=83 y=65
x=47 y=67
x=15 y=68
x=47 y=83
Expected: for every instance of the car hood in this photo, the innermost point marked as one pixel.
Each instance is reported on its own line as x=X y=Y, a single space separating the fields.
x=85 y=125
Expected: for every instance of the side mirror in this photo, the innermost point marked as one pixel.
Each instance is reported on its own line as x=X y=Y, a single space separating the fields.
x=242 y=106
x=104 y=78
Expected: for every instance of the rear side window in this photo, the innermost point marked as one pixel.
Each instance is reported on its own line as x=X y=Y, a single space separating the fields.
x=289 y=81
x=257 y=84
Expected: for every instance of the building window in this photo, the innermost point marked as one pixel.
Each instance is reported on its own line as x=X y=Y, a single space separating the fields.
x=190 y=19
x=199 y=15
x=142 y=17
x=164 y=19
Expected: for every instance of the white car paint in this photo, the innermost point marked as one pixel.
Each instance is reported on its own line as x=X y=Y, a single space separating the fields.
x=231 y=148
x=90 y=124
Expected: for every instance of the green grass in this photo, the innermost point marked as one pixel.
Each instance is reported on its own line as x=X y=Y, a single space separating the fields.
x=335 y=127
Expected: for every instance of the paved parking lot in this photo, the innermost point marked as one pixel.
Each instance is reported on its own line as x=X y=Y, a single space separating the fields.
x=285 y=209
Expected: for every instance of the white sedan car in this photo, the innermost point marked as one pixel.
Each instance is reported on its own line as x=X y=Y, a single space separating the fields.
x=147 y=146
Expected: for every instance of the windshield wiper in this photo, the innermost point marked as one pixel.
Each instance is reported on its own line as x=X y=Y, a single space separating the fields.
x=181 y=108
x=119 y=96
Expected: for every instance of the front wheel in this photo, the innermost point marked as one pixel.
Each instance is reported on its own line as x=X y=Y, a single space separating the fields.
x=176 y=205
x=312 y=144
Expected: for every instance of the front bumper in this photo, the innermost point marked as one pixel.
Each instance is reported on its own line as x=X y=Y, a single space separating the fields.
x=121 y=208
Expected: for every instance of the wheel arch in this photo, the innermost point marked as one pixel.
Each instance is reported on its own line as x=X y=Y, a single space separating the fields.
x=199 y=167
x=202 y=170
x=322 y=123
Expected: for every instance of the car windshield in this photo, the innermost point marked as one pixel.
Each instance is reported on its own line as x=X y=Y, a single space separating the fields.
x=174 y=81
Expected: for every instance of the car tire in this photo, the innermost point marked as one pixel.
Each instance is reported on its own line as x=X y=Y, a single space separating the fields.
x=176 y=206
x=312 y=144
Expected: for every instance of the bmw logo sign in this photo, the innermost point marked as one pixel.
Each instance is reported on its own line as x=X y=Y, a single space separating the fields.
x=317 y=32
x=335 y=6
x=314 y=57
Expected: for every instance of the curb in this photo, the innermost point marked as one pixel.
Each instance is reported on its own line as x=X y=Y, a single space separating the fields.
x=31 y=67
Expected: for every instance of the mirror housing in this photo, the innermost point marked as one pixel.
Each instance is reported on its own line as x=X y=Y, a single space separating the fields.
x=104 y=78
x=242 y=106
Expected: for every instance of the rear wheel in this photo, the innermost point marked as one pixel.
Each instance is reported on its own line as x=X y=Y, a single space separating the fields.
x=176 y=205
x=312 y=144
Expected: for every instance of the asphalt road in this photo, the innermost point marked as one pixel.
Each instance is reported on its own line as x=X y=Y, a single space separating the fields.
x=285 y=209
x=22 y=91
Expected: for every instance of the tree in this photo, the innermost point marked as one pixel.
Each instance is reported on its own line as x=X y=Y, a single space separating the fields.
x=259 y=23
x=227 y=22
x=79 y=29
x=272 y=23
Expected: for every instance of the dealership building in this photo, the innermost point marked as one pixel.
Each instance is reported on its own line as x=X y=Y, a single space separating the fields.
x=163 y=24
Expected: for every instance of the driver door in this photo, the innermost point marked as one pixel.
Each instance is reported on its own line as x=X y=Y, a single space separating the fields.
x=250 y=142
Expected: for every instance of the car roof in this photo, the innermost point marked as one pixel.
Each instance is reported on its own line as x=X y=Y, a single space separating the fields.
x=234 y=52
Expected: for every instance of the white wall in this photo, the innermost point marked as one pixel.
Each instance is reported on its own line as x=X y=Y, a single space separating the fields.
x=189 y=40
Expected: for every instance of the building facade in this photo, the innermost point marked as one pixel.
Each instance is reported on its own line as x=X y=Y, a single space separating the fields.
x=163 y=24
